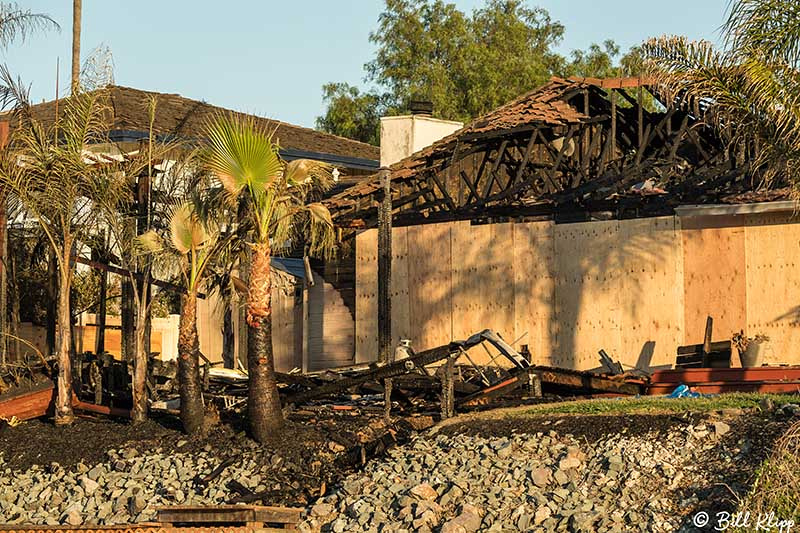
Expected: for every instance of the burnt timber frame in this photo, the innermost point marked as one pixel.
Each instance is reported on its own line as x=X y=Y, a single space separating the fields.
x=609 y=154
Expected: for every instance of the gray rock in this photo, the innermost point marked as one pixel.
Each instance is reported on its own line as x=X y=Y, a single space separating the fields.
x=541 y=476
x=504 y=451
x=766 y=404
x=130 y=453
x=72 y=517
x=322 y=509
x=468 y=521
x=88 y=485
x=95 y=473
x=721 y=428
x=424 y=491
x=136 y=504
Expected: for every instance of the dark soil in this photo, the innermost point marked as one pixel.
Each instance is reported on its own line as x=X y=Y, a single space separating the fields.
x=41 y=442
x=590 y=428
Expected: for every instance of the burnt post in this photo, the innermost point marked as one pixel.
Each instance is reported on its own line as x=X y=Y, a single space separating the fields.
x=385 y=353
x=448 y=388
x=707 y=342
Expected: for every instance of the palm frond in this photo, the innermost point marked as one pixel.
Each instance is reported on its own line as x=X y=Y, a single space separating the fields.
x=17 y=23
x=241 y=154
x=768 y=28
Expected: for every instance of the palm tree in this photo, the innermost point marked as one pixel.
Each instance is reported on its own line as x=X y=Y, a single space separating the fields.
x=192 y=246
x=76 y=44
x=58 y=184
x=127 y=216
x=244 y=158
x=15 y=24
x=749 y=90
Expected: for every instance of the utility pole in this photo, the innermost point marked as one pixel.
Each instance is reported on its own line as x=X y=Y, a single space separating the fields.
x=76 y=45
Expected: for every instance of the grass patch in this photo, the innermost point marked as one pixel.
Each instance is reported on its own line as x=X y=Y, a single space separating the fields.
x=777 y=486
x=658 y=404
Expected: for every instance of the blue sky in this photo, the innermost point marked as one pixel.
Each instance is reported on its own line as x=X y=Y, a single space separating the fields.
x=272 y=57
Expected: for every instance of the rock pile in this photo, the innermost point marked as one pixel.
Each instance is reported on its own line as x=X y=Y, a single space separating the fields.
x=539 y=482
x=129 y=486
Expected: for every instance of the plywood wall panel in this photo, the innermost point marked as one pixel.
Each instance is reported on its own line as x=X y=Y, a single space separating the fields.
x=772 y=243
x=587 y=303
x=483 y=281
x=429 y=285
x=714 y=276
x=366 y=296
x=651 y=289
x=534 y=288
x=401 y=318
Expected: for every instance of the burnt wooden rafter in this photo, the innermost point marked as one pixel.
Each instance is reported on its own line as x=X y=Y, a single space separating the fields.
x=588 y=147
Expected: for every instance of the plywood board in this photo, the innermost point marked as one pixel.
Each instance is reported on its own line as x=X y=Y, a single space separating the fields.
x=429 y=285
x=401 y=318
x=366 y=341
x=534 y=288
x=587 y=293
x=651 y=289
x=483 y=281
x=714 y=276
x=772 y=245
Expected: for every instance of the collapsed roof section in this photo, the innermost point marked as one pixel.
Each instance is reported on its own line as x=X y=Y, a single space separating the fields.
x=572 y=149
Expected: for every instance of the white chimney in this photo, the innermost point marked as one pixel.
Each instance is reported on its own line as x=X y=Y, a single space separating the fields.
x=403 y=135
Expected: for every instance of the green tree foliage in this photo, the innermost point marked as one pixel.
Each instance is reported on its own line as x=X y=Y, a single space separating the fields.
x=351 y=113
x=603 y=62
x=466 y=65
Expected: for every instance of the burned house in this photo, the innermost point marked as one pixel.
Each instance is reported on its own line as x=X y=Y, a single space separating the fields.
x=588 y=214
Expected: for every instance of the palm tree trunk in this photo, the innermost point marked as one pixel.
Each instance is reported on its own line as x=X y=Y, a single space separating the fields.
x=52 y=302
x=76 y=44
x=15 y=314
x=128 y=331
x=192 y=411
x=139 y=382
x=64 y=413
x=100 y=317
x=264 y=405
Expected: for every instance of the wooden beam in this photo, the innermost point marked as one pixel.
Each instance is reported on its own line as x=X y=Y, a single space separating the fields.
x=385 y=268
x=495 y=165
x=447 y=198
x=473 y=191
x=525 y=158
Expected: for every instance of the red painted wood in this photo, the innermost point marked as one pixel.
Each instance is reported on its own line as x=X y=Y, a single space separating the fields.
x=714 y=380
x=28 y=404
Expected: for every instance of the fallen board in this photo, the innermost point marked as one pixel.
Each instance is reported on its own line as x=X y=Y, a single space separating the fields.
x=587 y=381
x=249 y=515
x=29 y=403
x=716 y=380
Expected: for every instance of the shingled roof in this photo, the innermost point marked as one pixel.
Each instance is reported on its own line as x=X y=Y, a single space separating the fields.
x=184 y=117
